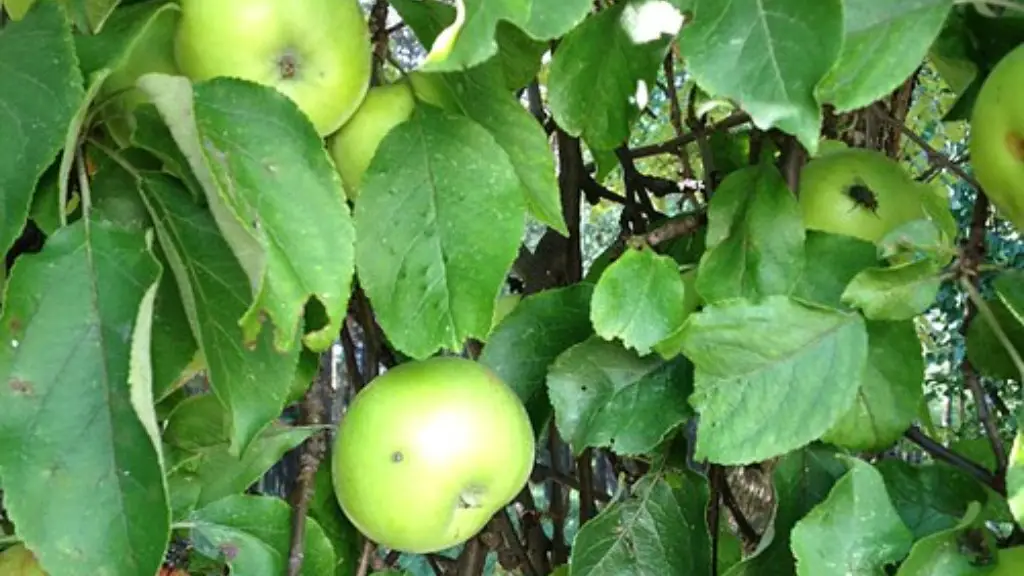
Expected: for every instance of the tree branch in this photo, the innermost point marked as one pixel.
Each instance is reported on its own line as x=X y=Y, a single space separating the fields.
x=933 y=154
x=940 y=452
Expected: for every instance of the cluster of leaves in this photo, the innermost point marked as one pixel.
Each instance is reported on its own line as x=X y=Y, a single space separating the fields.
x=200 y=238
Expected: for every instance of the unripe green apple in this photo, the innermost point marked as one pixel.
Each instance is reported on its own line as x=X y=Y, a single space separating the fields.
x=429 y=451
x=19 y=561
x=859 y=192
x=317 y=52
x=353 y=146
x=997 y=137
x=430 y=87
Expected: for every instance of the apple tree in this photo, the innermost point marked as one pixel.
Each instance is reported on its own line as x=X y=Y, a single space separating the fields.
x=653 y=287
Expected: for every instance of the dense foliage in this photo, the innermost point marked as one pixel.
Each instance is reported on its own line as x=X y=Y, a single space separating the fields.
x=754 y=271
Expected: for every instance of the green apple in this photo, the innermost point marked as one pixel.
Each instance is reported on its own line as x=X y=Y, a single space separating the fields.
x=317 y=52
x=153 y=51
x=859 y=192
x=430 y=87
x=429 y=451
x=353 y=146
x=19 y=561
x=997 y=137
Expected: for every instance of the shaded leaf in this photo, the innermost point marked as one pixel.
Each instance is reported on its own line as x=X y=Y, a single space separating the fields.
x=609 y=64
x=890 y=393
x=831 y=261
x=77 y=454
x=421 y=261
x=929 y=497
x=963 y=550
x=755 y=238
x=251 y=382
x=854 y=531
x=525 y=343
x=640 y=299
x=470 y=40
x=254 y=151
x=252 y=534
x=606 y=396
x=756 y=52
x=38 y=101
x=659 y=529
x=758 y=382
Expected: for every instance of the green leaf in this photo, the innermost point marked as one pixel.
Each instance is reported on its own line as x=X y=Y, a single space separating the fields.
x=607 y=396
x=174 y=351
x=830 y=262
x=639 y=299
x=77 y=450
x=883 y=43
x=421 y=261
x=987 y=354
x=470 y=40
x=211 y=467
x=122 y=34
x=755 y=238
x=964 y=550
x=603 y=72
x=660 y=529
x=1009 y=286
x=525 y=343
x=519 y=55
x=481 y=98
x=929 y=497
x=252 y=535
x=38 y=101
x=771 y=377
x=252 y=383
x=891 y=390
x=759 y=53
x=800 y=481
x=854 y=531
x=900 y=292
x=276 y=196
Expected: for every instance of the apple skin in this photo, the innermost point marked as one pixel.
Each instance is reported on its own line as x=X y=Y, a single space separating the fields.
x=316 y=52
x=997 y=137
x=353 y=146
x=826 y=205
x=420 y=440
x=19 y=561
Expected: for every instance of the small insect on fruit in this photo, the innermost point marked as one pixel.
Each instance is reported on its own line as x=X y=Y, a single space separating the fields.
x=863 y=197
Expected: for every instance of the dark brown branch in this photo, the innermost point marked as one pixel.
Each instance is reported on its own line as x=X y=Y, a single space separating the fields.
x=933 y=154
x=716 y=475
x=680 y=142
x=379 y=37
x=542 y=473
x=699 y=128
x=311 y=413
x=472 y=559
x=537 y=542
x=585 y=471
x=508 y=533
x=940 y=452
x=676 y=114
x=972 y=256
x=558 y=500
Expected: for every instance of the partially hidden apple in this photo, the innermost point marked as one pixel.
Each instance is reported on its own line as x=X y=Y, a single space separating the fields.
x=19 y=561
x=429 y=451
x=859 y=192
x=353 y=146
x=997 y=137
x=316 y=52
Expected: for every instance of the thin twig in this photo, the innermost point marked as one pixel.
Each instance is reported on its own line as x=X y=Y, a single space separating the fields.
x=311 y=414
x=940 y=452
x=679 y=142
x=716 y=475
x=676 y=114
x=933 y=154
x=364 y=559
